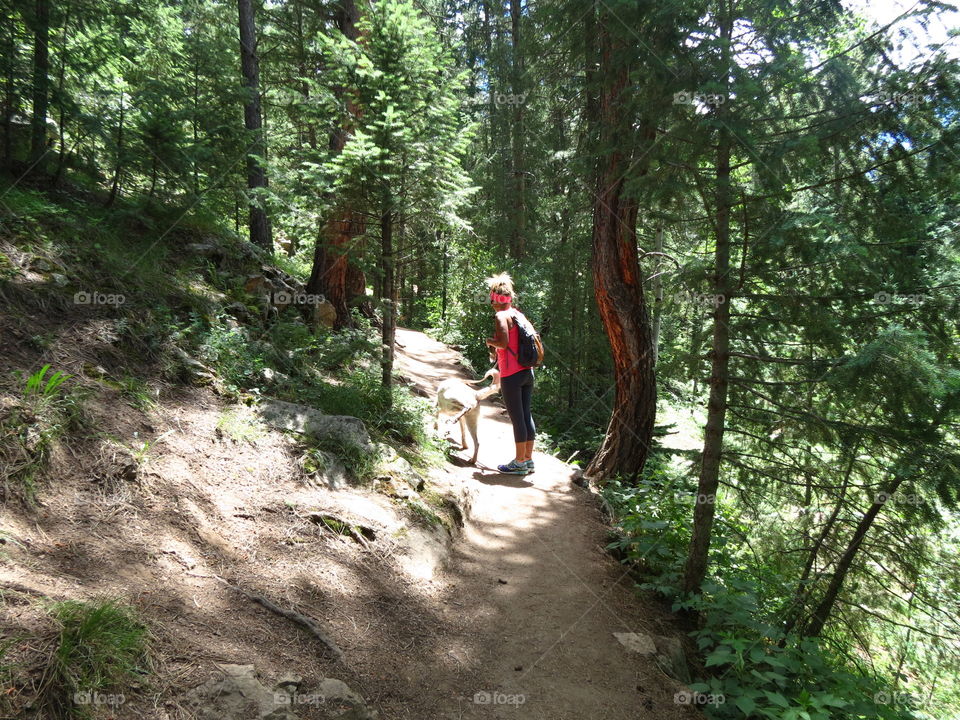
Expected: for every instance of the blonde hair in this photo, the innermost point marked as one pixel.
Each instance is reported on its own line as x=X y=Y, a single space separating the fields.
x=501 y=284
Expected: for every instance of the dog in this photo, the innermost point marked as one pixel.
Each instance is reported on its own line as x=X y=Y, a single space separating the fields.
x=456 y=398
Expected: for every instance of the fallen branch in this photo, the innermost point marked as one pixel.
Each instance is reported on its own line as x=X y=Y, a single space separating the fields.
x=302 y=620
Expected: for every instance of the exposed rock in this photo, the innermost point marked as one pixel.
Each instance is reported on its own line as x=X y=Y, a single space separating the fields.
x=332 y=471
x=255 y=283
x=640 y=643
x=336 y=692
x=667 y=652
x=272 y=376
x=578 y=478
x=313 y=423
x=204 y=249
x=41 y=264
x=671 y=659
x=237 y=694
x=392 y=465
x=195 y=370
x=239 y=311
x=396 y=488
x=324 y=313
x=290 y=682
x=344 y=525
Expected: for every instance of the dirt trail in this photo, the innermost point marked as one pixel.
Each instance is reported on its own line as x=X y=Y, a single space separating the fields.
x=530 y=597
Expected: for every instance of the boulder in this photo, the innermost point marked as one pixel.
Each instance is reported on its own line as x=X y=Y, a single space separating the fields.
x=324 y=313
x=207 y=249
x=667 y=652
x=313 y=423
x=237 y=694
x=639 y=643
x=671 y=659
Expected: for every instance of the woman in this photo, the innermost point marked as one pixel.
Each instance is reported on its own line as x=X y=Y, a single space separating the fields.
x=516 y=382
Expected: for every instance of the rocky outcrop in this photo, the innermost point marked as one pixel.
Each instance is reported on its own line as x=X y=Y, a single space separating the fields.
x=236 y=693
x=308 y=421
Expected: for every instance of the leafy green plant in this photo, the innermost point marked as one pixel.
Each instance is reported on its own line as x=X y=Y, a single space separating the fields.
x=141 y=450
x=751 y=669
x=39 y=385
x=29 y=428
x=137 y=393
x=761 y=673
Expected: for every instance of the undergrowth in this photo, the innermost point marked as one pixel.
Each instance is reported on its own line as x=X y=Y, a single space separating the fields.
x=750 y=668
x=101 y=650
x=30 y=425
x=186 y=318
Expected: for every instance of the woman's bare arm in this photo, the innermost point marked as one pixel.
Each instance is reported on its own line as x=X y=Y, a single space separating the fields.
x=501 y=330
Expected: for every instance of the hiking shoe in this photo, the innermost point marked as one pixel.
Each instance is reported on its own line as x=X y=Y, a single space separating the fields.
x=530 y=468
x=513 y=468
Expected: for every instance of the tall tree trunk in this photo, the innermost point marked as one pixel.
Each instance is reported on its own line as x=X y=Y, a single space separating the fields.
x=336 y=274
x=41 y=81
x=61 y=107
x=195 y=126
x=118 y=164
x=703 y=512
x=10 y=63
x=657 y=299
x=388 y=300
x=795 y=610
x=618 y=284
x=821 y=613
x=260 y=234
x=518 y=230
x=444 y=270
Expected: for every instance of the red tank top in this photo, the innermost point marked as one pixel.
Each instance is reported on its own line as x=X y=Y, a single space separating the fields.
x=507 y=362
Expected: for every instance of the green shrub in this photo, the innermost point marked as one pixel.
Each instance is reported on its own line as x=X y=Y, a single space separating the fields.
x=751 y=669
x=29 y=428
x=101 y=646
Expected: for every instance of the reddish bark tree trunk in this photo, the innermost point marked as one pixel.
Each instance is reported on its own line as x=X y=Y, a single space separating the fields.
x=617 y=280
x=334 y=275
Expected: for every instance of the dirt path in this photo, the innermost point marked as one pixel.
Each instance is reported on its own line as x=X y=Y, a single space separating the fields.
x=530 y=599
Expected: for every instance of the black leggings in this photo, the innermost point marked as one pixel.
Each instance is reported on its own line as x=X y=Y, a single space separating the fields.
x=517 y=390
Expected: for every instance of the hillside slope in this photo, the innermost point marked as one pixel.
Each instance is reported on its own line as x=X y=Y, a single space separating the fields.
x=443 y=585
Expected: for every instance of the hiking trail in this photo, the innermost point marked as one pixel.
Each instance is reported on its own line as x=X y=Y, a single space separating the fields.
x=531 y=596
